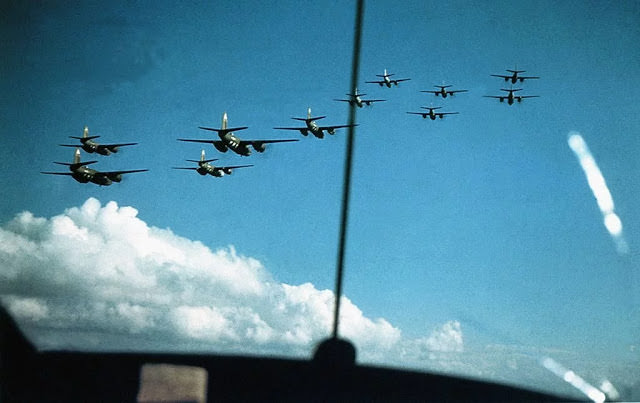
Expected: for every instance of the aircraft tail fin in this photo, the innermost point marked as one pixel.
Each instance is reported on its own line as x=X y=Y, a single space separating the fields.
x=202 y=160
x=224 y=121
x=76 y=161
x=85 y=135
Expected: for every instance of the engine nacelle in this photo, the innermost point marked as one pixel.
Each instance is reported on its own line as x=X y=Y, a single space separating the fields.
x=519 y=99
x=501 y=99
x=220 y=147
x=331 y=130
x=522 y=80
x=113 y=149
x=259 y=147
x=304 y=132
x=116 y=177
x=227 y=171
x=441 y=116
x=381 y=84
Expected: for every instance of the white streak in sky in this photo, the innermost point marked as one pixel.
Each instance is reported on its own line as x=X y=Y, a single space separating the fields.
x=573 y=379
x=600 y=190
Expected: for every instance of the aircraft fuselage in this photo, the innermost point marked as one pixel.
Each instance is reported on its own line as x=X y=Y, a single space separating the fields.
x=84 y=175
x=233 y=143
x=91 y=147
x=208 y=169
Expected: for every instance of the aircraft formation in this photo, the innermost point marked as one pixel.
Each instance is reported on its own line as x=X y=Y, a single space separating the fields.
x=228 y=140
x=79 y=171
x=514 y=77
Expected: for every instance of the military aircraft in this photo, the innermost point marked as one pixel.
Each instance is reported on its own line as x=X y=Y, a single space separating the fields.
x=229 y=141
x=205 y=168
x=386 y=80
x=82 y=174
x=443 y=91
x=358 y=101
x=510 y=97
x=91 y=146
x=313 y=127
x=514 y=76
x=431 y=114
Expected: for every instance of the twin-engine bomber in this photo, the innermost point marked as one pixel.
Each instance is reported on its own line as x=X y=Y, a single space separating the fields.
x=432 y=114
x=514 y=76
x=511 y=98
x=443 y=91
x=356 y=99
x=230 y=142
x=82 y=174
x=205 y=168
x=91 y=146
x=313 y=127
x=387 y=80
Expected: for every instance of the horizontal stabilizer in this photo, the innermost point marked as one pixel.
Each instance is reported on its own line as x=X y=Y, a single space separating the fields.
x=223 y=130
x=84 y=138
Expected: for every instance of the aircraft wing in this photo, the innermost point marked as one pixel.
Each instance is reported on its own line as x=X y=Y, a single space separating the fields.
x=191 y=168
x=364 y=101
x=335 y=127
x=494 y=96
x=399 y=80
x=344 y=100
x=109 y=173
x=116 y=145
x=527 y=96
x=501 y=76
x=57 y=173
x=375 y=82
x=214 y=142
x=456 y=91
x=447 y=113
x=259 y=142
x=235 y=166
x=527 y=77
x=432 y=91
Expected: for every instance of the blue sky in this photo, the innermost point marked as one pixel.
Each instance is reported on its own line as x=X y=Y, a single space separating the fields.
x=481 y=225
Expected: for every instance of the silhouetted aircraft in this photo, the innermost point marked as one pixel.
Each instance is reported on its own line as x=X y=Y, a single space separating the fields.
x=510 y=97
x=386 y=80
x=313 y=127
x=514 y=76
x=91 y=146
x=205 y=168
x=229 y=141
x=358 y=101
x=431 y=114
x=443 y=91
x=82 y=174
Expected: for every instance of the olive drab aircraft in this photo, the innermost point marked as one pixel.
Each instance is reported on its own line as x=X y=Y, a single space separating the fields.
x=205 y=168
x=312 y=127
x=386 y=80
x=443 y=91
x=82 y=174
x=510 y=97
x=356 y=99
x=91 y=146
x=431 y=112
x=514 y=76
x=228 y=141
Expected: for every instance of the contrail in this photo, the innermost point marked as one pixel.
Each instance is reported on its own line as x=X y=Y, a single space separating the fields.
x=600 y=190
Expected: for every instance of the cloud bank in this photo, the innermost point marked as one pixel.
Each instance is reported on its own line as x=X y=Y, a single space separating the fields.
x=99 y=278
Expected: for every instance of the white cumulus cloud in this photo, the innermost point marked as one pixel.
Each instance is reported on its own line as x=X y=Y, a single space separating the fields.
x=98 y=277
